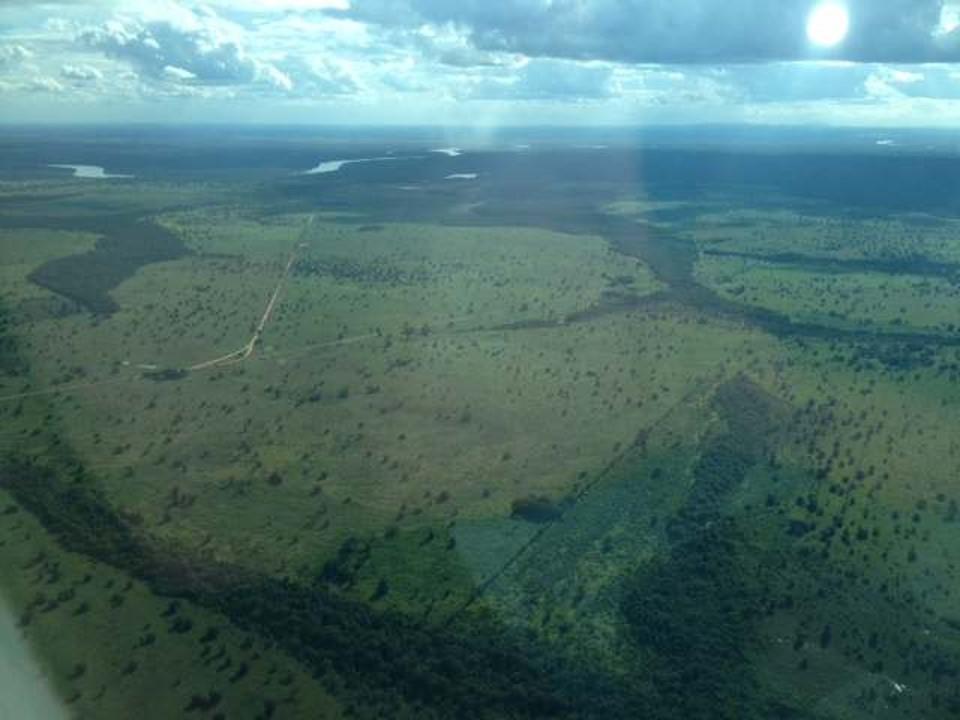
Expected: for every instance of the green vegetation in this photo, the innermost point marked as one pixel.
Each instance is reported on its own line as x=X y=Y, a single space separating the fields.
x=10 y=361
x=692 y=615
x=494 y=454
x=125 y=247
x=385 y=654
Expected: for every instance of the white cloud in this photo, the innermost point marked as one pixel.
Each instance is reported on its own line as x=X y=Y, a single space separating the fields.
x=318 y=75
x=677 y=31
x=201 y=43
x=12 y=54
x=949 y=19
x=547 y=80
x=885 y=83
x=177 y=74
x=43 y=84
x=275 y=77
x=530 y=60
x=652 y=86
x=903 y=77
x=313 y=31
x=81 y=73
x=451 y=45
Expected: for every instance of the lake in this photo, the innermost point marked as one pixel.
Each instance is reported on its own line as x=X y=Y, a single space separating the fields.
x=94 y=172
x=330 y=166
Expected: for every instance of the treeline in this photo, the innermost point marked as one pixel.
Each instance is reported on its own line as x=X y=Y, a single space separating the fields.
x=386 y=660
x=374 y=272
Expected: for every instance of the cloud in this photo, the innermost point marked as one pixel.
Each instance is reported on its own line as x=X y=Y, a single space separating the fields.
x=449 y=44
x=199 y=43
x=793 y=82
x=273 y=6
x=459 y=60
x=937 y=82
x=318 y=75
x=660 y=87
x=177 y=74
x=680 y=31
x=547 y=79
x=81 y=73
x=13 y=54
x=43 y=84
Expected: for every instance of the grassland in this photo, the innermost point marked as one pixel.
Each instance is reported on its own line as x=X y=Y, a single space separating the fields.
x=557 y=423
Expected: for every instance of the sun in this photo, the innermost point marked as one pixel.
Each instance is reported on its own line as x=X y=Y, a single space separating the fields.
x=828 y=24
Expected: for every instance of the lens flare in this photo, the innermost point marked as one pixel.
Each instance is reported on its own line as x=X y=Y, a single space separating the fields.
x=828 y=24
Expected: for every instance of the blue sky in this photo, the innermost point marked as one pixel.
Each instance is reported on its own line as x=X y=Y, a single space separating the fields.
x=477 y=62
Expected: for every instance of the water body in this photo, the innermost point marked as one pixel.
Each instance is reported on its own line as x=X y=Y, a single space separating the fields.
x=94 y=172
x=25 y=693
x=449 y=152
x=331 y=166
x=462 y=176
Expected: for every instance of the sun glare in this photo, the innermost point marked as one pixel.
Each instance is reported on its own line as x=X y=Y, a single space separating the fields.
x=828 y=24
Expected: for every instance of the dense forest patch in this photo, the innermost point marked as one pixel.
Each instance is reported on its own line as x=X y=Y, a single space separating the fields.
x=88 y=278
x=11 y=363
x=692 y=612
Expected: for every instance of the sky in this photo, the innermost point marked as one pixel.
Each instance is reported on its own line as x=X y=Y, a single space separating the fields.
x=478 y=62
